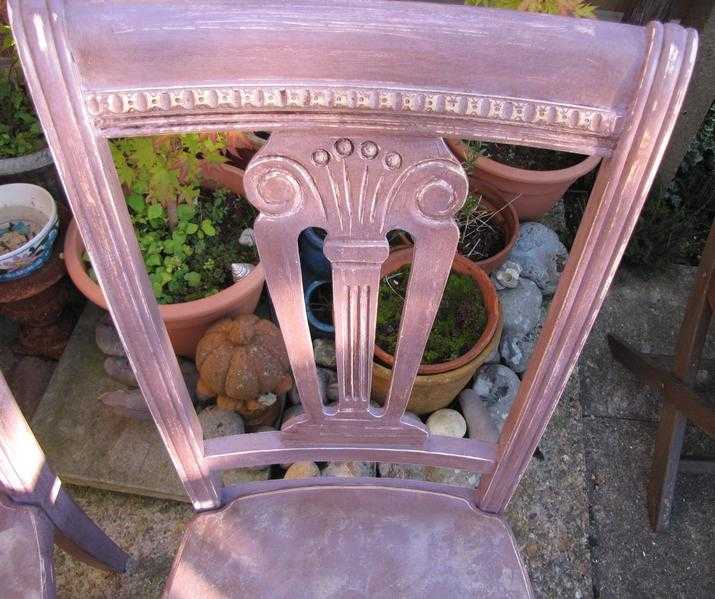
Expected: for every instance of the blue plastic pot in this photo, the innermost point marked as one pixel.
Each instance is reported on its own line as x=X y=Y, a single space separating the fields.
x=318 y=327
x=312 y=258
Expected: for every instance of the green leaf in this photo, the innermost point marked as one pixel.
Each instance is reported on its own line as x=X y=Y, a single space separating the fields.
x=155 y=211
x=153 y=260
x=208 y=228
x=193 y=279
x=191 y=228
x=136 y=202
x=184 y=212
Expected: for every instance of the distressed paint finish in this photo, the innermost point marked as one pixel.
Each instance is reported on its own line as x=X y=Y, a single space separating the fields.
x=33 y=498
x=399 y=75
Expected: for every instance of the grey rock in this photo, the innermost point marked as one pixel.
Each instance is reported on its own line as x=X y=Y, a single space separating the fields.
x=541 y=255
x=448 y=423
x=107 y=339
x=331 y=394
x=247 y=238
x=326 y=377
x=507 y=275
x=324 y=350
x=409 y=471
x=119 y=369
x=495 y=383
x=516 y=349
x=480 y=424
x=451 y=476
x=521 y=308
x=127 y=402
x=219 y=423
x=350 y=469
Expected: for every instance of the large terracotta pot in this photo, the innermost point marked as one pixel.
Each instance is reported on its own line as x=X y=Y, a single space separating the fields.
x=532 y=193
x=185 y=322
x=437 y=385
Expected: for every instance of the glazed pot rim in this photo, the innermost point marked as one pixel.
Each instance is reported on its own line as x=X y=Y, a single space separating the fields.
x=52 y=221
x=526 y=175
x=74 y=247
x=462 y=265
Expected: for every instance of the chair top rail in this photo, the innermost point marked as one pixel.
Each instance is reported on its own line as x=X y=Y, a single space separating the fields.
x=156 y=66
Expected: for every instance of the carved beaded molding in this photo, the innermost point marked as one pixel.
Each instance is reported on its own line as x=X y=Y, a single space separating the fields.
x=572 y=118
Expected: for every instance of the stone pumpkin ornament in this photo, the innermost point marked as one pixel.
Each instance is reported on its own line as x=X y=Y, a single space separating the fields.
x=243 y=362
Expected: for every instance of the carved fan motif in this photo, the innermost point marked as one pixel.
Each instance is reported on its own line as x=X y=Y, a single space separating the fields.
x=357 y=189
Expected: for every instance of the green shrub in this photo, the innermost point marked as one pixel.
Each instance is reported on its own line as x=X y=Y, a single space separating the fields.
x=675 y=222
x=192 y=260
x=20 y=130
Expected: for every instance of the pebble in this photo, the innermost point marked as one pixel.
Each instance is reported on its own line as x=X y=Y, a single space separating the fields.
x=107 y=339
x=324 y=350
x=540 y=254
x=119 y=369
x=480 y=423
x=521 y=308
x=448 y=423
x=247 y=238
x=302 y=470
x=219 y=423
x=350 y=469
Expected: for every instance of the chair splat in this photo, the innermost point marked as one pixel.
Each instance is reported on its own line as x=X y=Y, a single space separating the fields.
x=357 y=186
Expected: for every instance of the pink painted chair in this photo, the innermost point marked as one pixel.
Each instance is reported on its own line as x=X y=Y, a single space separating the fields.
x=36 y=512
x=358 y=96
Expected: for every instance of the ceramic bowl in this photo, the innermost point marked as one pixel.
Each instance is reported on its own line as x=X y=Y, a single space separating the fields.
x=26 y=211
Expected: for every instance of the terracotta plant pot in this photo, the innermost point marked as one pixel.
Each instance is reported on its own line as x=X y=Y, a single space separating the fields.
x=507 y=220
x=437 y=385
x=532 y=193
x=185 y=322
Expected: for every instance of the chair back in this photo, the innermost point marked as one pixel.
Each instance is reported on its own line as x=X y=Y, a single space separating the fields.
x=358 y=96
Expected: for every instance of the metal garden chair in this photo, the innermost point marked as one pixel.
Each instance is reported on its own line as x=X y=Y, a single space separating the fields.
x=358 y=96
x=36 y=511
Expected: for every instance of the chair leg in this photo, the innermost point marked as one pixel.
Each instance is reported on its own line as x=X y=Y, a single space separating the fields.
x=664 y=471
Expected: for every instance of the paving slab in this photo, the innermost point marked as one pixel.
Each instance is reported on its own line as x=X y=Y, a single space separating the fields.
x=87 y=443
x=645 y=309
x=549 y=513
x=629 y=559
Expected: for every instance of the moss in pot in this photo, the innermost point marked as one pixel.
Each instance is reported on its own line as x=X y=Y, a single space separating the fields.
x=460 y=321
x=466 y=330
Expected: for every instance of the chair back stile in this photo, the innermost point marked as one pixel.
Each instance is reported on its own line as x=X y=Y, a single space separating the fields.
x=358 y=96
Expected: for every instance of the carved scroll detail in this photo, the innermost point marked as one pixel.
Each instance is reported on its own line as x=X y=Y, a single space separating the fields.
x=357 y=189
x=219 y=99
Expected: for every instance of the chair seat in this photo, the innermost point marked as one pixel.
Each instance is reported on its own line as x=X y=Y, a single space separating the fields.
x=348 y=541
x=26 y=548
